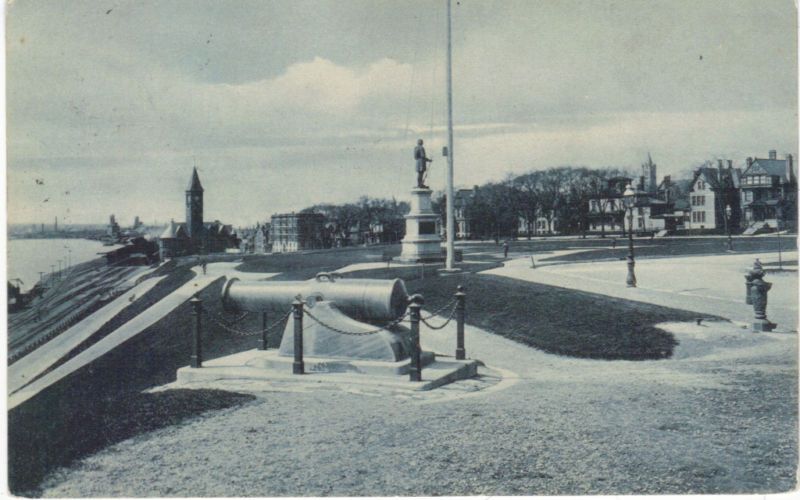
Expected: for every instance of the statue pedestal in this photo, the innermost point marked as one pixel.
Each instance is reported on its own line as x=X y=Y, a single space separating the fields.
x=422 y=242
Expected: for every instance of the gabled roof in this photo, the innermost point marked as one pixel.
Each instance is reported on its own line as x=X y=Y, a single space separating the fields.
x=768 y=167
x=175 y=230
x=194 y=183
x=717 y=179
x=218 y=227
x=710 y=174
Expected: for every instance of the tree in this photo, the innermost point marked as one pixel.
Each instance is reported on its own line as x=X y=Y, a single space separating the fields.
x=527 y=199
x=552 y=183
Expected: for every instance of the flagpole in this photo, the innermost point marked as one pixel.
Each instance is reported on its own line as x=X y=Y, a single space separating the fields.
x=450 y=214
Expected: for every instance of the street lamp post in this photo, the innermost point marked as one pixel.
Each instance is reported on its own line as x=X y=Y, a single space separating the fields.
x=779 y=217
x=728 y=213
x=629 y=197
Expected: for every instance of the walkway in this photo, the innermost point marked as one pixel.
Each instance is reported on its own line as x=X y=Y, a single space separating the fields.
x=712 y=285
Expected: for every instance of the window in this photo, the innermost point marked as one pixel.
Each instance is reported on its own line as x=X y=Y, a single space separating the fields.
x=748 y=196
x=701 y=185
x=698 y=216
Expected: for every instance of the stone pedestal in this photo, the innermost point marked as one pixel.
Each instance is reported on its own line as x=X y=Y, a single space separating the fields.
x=323 y=342
x=422 y=242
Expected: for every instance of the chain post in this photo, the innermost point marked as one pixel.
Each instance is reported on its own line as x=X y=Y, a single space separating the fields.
x=197 y=347
x=298 y=367
x=264 y=334
x=415 y=370
x=461 y=299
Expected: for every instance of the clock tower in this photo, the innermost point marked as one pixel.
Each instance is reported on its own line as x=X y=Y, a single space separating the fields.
x=194 y=209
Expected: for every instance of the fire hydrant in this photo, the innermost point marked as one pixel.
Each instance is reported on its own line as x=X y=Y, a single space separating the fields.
x=758 y=290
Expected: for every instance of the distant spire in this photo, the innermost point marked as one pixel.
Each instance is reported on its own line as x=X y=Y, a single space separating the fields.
x=194 y=184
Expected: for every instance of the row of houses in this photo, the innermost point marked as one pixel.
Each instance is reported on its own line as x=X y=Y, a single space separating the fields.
x=292 y=232
x=717 y=198
x=760 y=197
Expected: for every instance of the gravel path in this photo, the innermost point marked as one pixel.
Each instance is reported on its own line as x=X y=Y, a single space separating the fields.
x=719 y=417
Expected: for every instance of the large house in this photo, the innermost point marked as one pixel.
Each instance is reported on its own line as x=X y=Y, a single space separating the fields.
x=769 y=193
x=296 y=231
x=461 y=200
x=195 y=236
x=675 y=211
x=607 y=211
x=712 y=191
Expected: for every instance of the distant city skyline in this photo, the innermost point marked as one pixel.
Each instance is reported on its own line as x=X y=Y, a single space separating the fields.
x=286 y=104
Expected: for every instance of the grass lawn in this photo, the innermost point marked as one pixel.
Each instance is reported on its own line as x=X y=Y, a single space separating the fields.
x=555 y=320
x=675 y=247
x=305 y=265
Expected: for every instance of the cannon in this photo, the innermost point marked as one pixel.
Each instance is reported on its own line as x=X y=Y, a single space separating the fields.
x=363 y=299
x=338 y=309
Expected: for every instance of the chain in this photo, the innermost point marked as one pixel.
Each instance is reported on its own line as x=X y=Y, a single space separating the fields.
x=449 y=319
x=436 y=312
x=232 y=320
x=388 y=326
x=244 y=333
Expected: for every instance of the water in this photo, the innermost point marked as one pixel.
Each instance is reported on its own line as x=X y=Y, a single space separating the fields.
x=26 y=258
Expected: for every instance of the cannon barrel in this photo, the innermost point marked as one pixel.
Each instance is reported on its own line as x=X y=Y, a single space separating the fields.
x=373 y=299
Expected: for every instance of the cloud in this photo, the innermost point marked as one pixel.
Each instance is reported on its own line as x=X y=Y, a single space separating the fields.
x=291 y=103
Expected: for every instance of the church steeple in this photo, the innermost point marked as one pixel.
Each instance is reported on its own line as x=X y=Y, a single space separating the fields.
x=194 y=207
x=194 y=184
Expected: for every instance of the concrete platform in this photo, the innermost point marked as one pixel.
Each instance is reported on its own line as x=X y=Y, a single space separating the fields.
x=255 y=365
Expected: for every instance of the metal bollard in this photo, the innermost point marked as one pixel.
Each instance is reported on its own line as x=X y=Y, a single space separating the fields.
x=197 y=348
x=415 y=369
x=759 y=289
x=748 y=283
x=298 y=368
x=461 y=299
x=264 y=341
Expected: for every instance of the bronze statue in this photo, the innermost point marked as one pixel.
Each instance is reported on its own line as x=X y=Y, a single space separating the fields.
x=422 y=164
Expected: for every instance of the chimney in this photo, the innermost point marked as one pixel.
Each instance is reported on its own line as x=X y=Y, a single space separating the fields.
x=730 y=164
x=641 y=183
x=719 y=165
x=773 y=155
x=667 y=179
x=749 y=161
x=789 y=167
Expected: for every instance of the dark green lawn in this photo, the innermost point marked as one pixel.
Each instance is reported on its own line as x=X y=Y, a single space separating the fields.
x=555 y=320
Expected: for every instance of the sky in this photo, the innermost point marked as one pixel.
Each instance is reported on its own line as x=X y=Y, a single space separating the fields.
x=284 y=104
